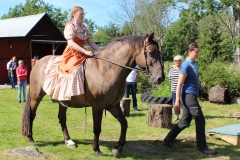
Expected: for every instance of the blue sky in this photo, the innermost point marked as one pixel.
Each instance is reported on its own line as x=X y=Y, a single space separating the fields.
x=97 y=10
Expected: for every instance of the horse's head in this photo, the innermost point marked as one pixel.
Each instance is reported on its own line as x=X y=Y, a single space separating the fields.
x=153 y=60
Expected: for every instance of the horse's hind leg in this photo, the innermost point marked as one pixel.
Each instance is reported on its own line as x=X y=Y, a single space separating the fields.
x=117 y=113
x=97 y=122
x=62 y=120
x=30 y=114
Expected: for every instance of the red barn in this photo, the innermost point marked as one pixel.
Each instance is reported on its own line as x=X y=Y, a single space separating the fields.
x=25 y=37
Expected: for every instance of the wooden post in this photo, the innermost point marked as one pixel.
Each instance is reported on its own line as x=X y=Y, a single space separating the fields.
x=160 y=115
x=125 y=106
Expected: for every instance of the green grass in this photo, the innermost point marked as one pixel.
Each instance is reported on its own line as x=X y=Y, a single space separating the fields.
x=143 y=141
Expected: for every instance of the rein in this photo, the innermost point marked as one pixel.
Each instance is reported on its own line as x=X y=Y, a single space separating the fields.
x=144 y=71
x=139 y=70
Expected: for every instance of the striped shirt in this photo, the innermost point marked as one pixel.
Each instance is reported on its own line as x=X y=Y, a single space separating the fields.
x=173 y=78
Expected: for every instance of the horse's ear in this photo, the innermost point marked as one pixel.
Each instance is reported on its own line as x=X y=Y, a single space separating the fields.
x=158 y=38
x=150 y=38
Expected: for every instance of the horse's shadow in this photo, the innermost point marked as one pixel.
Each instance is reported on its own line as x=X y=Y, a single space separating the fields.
x=136 y=115
x=152 y=149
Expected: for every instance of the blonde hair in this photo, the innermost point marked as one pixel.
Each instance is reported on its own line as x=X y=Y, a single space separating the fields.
x=20 y=61
x=74 y=10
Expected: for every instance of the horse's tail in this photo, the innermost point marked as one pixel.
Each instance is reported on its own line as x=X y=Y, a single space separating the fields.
x=26 y=117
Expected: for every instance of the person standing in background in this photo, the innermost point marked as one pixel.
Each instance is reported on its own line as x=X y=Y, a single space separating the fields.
x=34 y=60
x=21 y=80
x=12 y=72
x=8 y=69
x=131 y=84
x=173 y=78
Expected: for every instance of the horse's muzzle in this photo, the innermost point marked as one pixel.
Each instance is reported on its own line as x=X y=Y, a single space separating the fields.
x=156 y=80
x=160 y=80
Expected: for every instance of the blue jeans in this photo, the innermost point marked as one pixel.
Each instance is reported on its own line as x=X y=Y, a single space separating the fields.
x=133 y=87
x=12 y=78
x=22 y=89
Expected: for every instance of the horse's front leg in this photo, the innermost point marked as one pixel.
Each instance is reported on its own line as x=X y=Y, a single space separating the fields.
x=97 y=122
x=62 y=120
x=118 y=114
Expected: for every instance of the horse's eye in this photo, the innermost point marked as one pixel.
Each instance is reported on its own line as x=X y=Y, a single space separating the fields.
x=151 y=54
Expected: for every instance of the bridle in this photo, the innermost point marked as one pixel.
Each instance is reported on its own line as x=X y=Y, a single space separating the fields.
x=147 y=71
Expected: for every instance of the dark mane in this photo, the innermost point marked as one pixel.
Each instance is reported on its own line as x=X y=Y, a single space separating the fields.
x=136 y=42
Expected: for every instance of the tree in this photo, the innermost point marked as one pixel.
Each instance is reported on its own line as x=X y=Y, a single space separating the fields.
x=180 y=34
x=100 y=36
x=227 y=13
x=107 y=33
x=143 y=16
x=32 y=7
x=126 y=15
x=91 y=25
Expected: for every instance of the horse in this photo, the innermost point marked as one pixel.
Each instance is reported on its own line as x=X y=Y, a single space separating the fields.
x=104 y=85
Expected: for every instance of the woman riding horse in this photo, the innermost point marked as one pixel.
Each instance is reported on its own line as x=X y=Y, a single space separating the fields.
x=69 y=74
x=105 y=83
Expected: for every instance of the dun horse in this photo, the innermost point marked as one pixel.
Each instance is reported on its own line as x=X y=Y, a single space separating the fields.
x=104 y=85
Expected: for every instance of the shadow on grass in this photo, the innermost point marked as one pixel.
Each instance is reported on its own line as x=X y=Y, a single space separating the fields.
x=153 y=149
x=136 y=115
x=212 y=117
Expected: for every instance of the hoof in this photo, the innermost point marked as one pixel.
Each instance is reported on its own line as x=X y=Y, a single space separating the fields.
x=70 y=144
x=98 y=153
x=30 y=141
x=116 y=153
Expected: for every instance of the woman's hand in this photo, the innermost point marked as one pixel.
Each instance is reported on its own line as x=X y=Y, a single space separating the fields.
x=177 y=106
x=89 y=53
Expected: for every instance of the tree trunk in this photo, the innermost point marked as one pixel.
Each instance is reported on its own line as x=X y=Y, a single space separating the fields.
x=160 y=115
x=236 y=15
x=125 y=106
x=219 y=94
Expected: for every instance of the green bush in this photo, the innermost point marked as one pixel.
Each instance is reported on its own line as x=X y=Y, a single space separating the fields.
x=220 y=73
x=143 y=83
x=163 y=90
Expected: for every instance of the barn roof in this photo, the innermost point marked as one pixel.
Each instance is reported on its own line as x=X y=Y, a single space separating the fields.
x=19 y=27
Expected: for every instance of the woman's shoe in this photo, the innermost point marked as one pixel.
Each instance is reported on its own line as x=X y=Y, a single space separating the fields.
x=19 y=101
